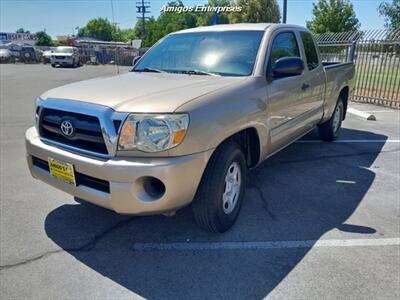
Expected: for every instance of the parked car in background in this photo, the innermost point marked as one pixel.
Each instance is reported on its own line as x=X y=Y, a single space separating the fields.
x=6 y=56
x=47 y=56
x=65 y=56
x=197 y=111
x=14 y=48
x=29 y=54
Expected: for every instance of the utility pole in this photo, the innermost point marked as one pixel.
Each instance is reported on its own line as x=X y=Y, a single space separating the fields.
x=215 y=15
x=142 y=8
x=284 y=11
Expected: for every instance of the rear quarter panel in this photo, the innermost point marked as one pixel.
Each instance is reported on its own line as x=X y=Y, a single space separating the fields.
x=337 y=77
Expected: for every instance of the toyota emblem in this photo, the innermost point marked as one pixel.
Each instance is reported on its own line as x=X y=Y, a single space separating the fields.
x=67 y=128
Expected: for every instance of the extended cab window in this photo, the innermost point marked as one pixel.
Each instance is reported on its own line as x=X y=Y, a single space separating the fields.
x=311 y=51
x=284 y=45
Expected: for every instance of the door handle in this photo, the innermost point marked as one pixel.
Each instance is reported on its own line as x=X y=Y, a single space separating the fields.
x=305 y=86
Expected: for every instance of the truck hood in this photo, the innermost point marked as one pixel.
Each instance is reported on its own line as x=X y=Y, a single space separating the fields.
x=142 y=92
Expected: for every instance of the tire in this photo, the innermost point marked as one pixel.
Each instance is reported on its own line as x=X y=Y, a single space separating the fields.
x=53 y=65
x=329 y=130
x=214 y=208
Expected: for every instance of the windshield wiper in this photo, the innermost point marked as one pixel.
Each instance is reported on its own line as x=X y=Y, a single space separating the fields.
x=148 y=70
x=196 y=72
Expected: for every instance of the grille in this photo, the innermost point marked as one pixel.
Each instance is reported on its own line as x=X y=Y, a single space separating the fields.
x=81 y=179
x=60 y=57
x=87 y=133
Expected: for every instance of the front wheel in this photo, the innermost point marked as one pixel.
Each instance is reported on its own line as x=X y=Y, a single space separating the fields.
x=219 y=197
x=329 y=130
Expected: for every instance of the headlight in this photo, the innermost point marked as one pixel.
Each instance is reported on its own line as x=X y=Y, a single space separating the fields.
x=153 y=133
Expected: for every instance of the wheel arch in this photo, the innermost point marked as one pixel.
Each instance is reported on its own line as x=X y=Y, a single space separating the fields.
x=249 y=141
x=344 y=95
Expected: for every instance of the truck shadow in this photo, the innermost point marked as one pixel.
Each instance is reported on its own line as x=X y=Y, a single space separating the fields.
x=301 y=193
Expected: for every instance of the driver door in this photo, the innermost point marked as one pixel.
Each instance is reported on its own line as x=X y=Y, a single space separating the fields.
x=285 y=94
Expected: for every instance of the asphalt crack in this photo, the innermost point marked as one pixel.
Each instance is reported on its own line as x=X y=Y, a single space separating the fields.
x=86 y=247
x=253 y=183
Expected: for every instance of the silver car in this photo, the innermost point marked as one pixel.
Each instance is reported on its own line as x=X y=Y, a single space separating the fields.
x=65 y=56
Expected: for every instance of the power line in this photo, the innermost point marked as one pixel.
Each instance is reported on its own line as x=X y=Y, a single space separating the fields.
x=115 y=24
x=142 y=9
x=284 y=11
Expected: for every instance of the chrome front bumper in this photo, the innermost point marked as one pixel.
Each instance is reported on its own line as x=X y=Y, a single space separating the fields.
x=180 y=176
x=62 y=61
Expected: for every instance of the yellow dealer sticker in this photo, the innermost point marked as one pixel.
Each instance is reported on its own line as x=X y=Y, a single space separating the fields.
x=62 y=170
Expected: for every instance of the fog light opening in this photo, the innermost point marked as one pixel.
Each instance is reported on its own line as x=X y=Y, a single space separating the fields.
x=153 y=187
x=148 y=189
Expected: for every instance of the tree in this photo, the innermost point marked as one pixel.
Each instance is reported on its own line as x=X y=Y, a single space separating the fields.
x=60 y=43
x=391 y=13
x=21 y=30
x=127 y=34
x=166 y=23
x=256 y=11
x=333 y=16
x=100 y=29
x=208 y=18
x=43 y=39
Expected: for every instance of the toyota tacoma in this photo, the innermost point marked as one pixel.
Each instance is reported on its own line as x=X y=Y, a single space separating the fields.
x=196 y=112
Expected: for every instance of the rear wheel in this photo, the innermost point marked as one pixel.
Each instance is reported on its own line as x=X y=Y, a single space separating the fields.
x=329 y=130
x=219 y=197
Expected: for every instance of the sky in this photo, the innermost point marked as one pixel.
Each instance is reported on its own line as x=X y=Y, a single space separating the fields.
x=61 y=17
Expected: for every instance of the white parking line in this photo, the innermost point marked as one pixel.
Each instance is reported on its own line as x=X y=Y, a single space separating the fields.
x=361 y=114
x=379 y=111
x=211 y=246
x=349 y=141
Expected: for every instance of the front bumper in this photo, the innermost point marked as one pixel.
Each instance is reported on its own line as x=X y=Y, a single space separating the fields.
x=180 y=176
x=62 y=61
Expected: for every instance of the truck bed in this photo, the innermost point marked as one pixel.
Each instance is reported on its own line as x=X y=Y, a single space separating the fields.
x=338 y=75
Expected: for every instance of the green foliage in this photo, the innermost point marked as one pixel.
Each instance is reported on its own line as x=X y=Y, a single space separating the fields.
x=333 y=16
x=253 y=11
x=43 y=39
x=60 y=43
x=391 y=12
x=127 y=34
x=21 y=30
x=101 y=29
x=204 y=19
x=165 y=24
x=256 y=11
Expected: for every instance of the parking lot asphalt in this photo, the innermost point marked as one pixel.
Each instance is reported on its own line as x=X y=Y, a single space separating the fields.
x=319 y=220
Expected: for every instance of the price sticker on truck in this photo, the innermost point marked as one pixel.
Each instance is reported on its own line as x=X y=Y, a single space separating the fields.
x=62 y=170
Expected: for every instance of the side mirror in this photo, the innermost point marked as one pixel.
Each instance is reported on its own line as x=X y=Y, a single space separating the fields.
x=288 y=66
x=135 y=60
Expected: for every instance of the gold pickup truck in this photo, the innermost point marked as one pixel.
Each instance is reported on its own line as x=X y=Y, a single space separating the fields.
x=198 y=110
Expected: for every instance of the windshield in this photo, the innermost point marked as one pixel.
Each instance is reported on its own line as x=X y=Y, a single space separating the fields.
x=63 y=50
x=227 y=53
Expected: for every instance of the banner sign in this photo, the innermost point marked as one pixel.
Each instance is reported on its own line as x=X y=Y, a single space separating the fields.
x=10 y=36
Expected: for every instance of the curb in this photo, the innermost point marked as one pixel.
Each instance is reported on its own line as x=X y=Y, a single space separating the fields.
x=361 y=114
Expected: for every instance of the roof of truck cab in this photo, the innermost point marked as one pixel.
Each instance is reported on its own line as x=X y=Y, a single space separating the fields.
x=228 y=27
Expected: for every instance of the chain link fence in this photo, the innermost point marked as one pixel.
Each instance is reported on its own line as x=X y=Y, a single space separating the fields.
x=377 y=61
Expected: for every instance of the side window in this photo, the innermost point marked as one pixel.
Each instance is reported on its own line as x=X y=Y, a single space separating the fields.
x=284 y=45
x=311 y=51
